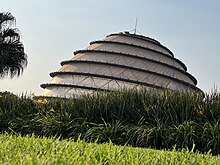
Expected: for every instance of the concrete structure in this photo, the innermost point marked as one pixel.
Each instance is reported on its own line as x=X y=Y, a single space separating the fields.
x=121 y=60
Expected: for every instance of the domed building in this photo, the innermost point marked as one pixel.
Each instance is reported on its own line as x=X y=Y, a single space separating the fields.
x=120 y=60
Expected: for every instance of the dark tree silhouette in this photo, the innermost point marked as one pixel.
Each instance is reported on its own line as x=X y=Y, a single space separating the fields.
x=13 y=59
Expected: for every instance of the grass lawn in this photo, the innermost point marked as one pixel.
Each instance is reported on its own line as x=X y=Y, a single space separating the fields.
x=15 y=149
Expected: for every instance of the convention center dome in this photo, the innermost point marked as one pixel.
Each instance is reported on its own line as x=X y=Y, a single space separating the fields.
x=120 y=60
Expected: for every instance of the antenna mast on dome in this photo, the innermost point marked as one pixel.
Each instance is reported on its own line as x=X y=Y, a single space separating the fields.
x=135 y=27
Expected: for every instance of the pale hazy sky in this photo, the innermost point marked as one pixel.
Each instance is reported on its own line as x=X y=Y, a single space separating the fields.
x=52 y=29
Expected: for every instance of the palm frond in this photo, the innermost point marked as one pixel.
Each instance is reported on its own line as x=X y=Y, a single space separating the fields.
x=6 y=20
x=13 y=59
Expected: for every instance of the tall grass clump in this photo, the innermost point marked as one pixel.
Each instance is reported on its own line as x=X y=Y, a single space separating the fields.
x=144 y=118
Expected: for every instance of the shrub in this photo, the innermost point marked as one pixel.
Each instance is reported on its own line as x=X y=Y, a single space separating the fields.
x=145 y=118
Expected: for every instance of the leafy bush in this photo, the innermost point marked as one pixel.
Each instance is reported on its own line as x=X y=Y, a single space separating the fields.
x=146 y=118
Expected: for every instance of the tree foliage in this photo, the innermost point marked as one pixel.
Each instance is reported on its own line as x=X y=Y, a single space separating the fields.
x=13 y=59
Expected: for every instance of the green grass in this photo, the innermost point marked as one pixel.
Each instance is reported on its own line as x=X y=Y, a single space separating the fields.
x=15 y=149
x=145 y=118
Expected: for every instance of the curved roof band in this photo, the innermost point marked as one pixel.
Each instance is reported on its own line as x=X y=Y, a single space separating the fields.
x=120 y=60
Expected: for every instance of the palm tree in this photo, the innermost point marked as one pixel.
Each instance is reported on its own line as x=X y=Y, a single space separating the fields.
x=13 y=59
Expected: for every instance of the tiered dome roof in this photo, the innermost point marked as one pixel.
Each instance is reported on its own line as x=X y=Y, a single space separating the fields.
x=120 y=60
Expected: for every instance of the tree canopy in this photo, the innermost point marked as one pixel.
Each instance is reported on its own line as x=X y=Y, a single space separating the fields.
x=13 y=59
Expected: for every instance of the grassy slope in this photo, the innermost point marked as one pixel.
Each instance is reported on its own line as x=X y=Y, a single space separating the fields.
x=34 y=150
